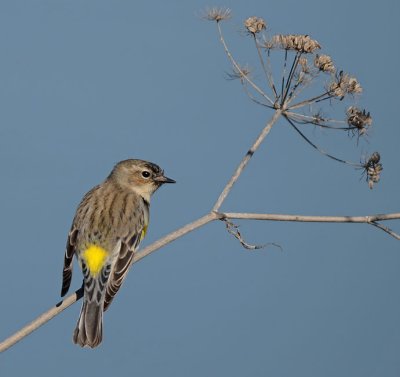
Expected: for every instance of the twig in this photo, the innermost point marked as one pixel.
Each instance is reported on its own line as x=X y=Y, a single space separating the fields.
x=315 y=219
x=45 y=317
x=320 y=97
x=41 y=320
x=234 y=230
x=386 y=229
x=290 y=77
x=237 y=67
x=246 y=160
x=247 y=91
x=267 y=72
x=313 y=119
x=318 y=148
x=57 y=309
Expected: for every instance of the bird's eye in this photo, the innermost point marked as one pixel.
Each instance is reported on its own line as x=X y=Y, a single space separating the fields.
x=145 y=174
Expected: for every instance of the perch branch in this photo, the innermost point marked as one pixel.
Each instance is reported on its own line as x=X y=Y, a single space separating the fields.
x=246 y=160
x=57 y=309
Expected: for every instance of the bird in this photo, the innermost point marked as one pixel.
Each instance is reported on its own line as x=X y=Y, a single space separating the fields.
x=109 y=224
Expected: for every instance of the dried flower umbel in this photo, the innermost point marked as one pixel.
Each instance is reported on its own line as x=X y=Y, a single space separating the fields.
x=255 y=24
x=298 y=42
x=218 y=14
x=358 y=120
x=324 y=63
x=373 y=169
x=345 y=84
x=239 y=73
x=302 y=65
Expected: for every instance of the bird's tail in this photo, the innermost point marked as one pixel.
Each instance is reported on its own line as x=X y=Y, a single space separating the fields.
x=89 y=329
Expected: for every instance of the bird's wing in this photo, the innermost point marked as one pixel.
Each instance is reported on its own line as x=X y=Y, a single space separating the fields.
x=69 y=254
x=72 y=239
x=122 y=264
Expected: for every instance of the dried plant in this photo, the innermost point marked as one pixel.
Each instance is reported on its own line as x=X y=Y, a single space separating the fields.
x=324 y=63
x=358 y=120
x=217 y=14
x=297 y=75
x=255 y=25
x=372 y=169
x=302 y=68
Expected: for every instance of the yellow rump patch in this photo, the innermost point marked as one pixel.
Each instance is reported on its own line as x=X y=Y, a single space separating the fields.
x=143 y=234
x=94 y=257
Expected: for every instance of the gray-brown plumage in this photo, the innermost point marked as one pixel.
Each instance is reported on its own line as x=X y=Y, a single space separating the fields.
x=109 y=224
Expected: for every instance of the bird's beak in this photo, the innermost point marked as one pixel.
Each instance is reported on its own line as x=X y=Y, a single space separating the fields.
x=163 y=179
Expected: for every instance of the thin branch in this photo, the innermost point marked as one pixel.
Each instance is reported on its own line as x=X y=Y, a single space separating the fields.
x=310 y=101
x=291 y=74
x=314 y=219
x=386 y=229
x=246 y=160
x=321 y=124
x=267 y=72
x=57 y=309
x=237 y=67
x=314 y=119
x=174 y=235
x=371 y=219
x=246 y=90
x=284 y=73
x=48 y=315
x=156 y=245
x=234 y=230
x=318 y=148
x=298 y=90
x=41 y=320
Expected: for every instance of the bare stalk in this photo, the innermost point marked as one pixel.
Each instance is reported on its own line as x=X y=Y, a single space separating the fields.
x=371 y=219
x=238 y=69
x=310 y=101
x=58 y=308
x=290 y=77
x=267 y=72
x=314 y=219
x=151 y=248
x=313 y=119
x=174 y=235
x=386 y=229
x=318 y=148
x=246 y=160
x=41 y=320
x=255 y=100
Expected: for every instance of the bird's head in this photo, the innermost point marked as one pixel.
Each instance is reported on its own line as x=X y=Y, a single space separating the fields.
x=143 y=177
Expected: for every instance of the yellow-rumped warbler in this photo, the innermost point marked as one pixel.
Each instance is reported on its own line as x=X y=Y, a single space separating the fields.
x=109 y=224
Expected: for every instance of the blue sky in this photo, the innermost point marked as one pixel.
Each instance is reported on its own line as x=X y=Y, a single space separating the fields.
x=84 y=84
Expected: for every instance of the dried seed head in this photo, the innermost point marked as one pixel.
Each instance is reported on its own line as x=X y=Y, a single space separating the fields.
x=217 y=14
x=318 y=118
x=374 y=175
x=354 y=86
x=358 y=119
x=345 y=84
x=303 y=63
x=324 y=63
x=301 y=43
x=240 y=73
x=255 y=25
x=267 y=42
x=374 y=158
x=373 y=168
x=302 y=74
